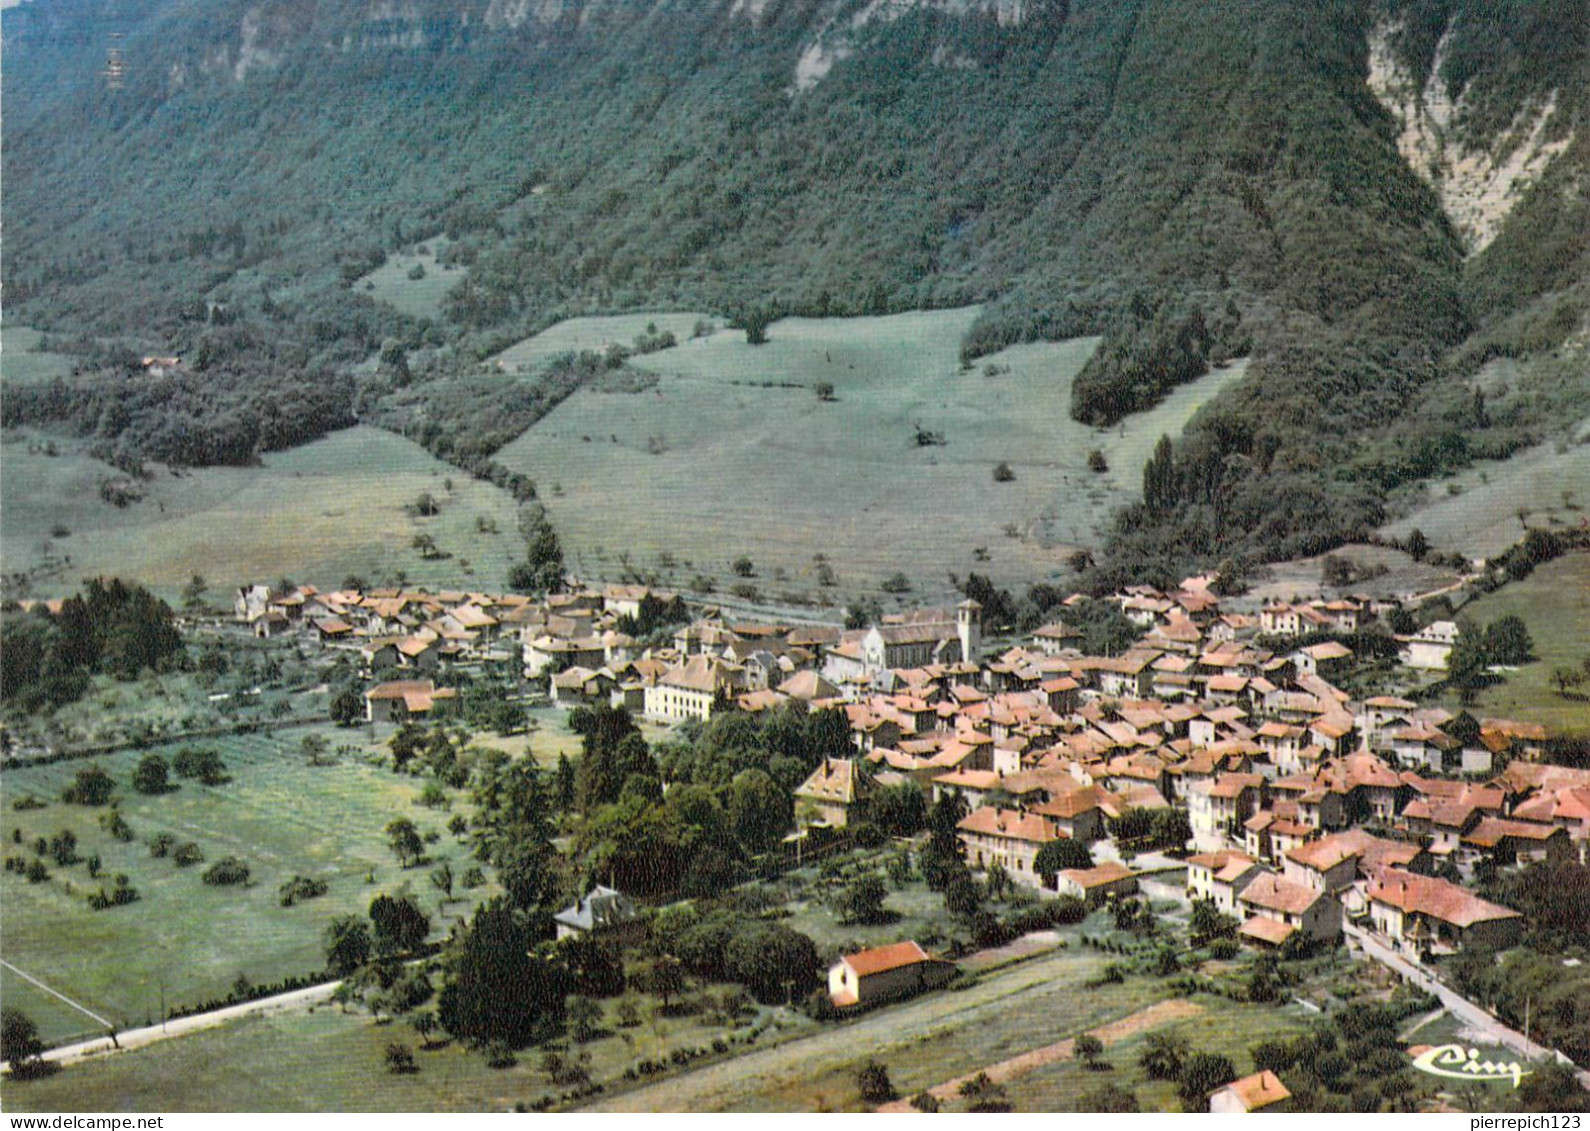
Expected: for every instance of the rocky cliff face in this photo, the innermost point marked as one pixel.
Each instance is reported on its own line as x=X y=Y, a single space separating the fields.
x=1479 y=180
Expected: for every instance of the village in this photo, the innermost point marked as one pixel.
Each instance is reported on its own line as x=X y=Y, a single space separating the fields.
x=1214 y=759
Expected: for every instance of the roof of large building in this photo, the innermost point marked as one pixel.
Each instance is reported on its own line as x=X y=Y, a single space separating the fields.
x=880 y=959
x=1259 y=1090
x=1428 y=895
x=601 y=907
x=1272 y=893
x=1009 y=824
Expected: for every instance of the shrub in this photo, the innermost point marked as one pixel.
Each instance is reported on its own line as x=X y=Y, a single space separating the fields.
x=227 y=871
x=187 y=854
x=873 y=1080
x=1003 y=473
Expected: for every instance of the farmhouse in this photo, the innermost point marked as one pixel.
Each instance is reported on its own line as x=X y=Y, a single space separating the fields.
x=1251 y=1093
x=602 y=913
x=885 y=972
x=1109 y=880
x=403 y=699
x=1431 y=646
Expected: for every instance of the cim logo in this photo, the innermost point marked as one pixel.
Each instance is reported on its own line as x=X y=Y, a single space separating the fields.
x=1462 y=1063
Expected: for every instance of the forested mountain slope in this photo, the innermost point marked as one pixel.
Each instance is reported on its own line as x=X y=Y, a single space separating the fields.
x=1191 y=179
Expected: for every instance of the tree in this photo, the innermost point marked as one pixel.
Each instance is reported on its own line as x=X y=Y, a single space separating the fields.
x=400 y=1059
x=584 y=1017
x=19 y=1039
x=1089 y=1049
x=1466 y=663
x=1097 y=463
x=1003 y=473
x=442 y=880
x=563 y=784
x=1202 y=1073
x=1507 y=641
x=873 y=1081
x=193 y=593
x=151 y=774
x=1160 y=487
x=962 y=897
x=346 y=708
x=63 y=848
x=399 y=925
x=1109 y=1099
x=758 y=810
x=92 y=786
x=665 y=977
x=862 y=901
x=496 y=989
x=1336 y=572
x=1417 y=544
x=743 y=566
x=314 y=748
x=1059 y=855
x=405 y=842
x=425 y=505
x=824 y=391
x=347 y=944
x=1164 y=1055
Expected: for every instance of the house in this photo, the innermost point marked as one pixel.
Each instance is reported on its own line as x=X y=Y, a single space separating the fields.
x=827 y=796
x=402 y=699
x=1006 y=837
x=603 y=913
x=1510 y=841
x=1424 y=913
x=1288 y=908
x=1220 y=877
x=1075 y=813
x=1109 y=880
x=1052 y=639
x=1327 y=865
x=691 y=690
x=1431 y=646
x=884 y=973
x=1258 y=1092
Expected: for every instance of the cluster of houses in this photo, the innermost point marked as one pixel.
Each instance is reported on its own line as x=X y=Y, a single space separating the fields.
x=1304 y=804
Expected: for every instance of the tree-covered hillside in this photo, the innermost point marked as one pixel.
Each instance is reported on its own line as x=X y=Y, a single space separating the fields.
x=1131 y=167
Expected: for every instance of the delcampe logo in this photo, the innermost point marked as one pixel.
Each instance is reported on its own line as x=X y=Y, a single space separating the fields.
x=1462 y=1063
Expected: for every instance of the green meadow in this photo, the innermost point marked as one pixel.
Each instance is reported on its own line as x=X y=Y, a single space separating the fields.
x=1476 y=511
x=187 y=940
x=594 y=335
x=1554 y=603
x=22 y=361
x=340 y=505
x=732 y=452
x=394 y=282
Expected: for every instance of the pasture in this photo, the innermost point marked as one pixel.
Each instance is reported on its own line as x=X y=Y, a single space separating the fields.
x=1476 y=511
x=186 y=940
x=21 y=360
x=1554 y=603
x=732 y=452
x=394 y=282
x=593 y=335
x=317 y=513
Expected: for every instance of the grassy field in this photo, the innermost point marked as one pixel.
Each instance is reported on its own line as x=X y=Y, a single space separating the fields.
x=581 y=335
x=1554 y=603
x=392 y=282
x=21 y=360
x=1300 y=578
x=1476 y=511
x=733 y=453
x=317 y=513
x=278 y=814
x=331 y=1061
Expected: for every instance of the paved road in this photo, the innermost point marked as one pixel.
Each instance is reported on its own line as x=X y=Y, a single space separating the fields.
x=1475 y=1016
x=138 y=1038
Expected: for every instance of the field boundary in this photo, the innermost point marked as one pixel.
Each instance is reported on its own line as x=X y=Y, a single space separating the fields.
x=1175 y=1009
